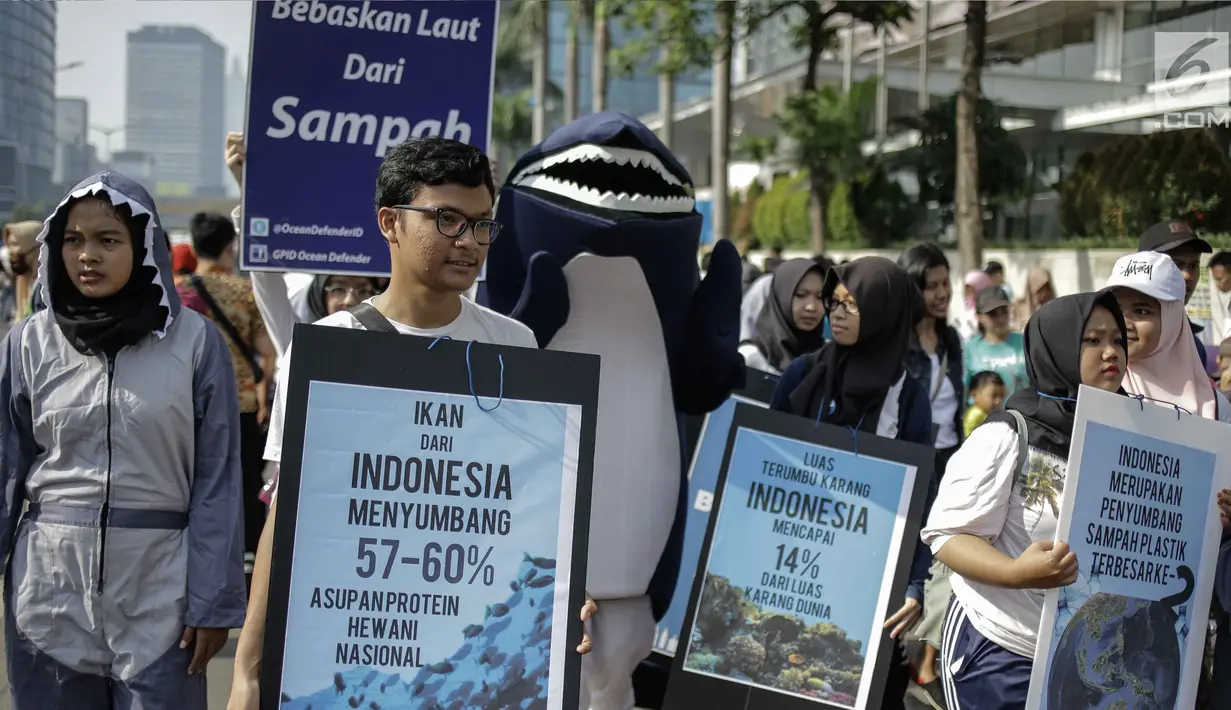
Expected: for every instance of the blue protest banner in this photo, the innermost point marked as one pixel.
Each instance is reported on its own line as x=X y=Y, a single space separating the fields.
x=332 y=85
x=1136 y=505
x=778 y=616
x=702 y=477
x=430 y=543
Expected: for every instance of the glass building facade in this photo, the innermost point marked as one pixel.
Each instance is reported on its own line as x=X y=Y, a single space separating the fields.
x=27 y=102
x=635 y=95
x=176 y=108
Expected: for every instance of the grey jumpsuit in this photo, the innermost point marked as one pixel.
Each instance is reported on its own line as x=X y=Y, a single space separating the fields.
x=120 y=501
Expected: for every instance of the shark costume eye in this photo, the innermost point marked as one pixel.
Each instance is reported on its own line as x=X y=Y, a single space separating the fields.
x=609 y=177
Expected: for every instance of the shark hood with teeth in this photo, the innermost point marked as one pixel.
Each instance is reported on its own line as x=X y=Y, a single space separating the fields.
x=609 y=163
x=120 y=190
x=605 y=185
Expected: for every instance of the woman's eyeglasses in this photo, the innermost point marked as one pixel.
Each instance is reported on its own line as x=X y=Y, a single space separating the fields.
x=832 y=306
x=341 y=292
x=453 y=224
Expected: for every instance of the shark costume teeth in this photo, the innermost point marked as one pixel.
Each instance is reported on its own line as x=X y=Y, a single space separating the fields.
x=609 y=177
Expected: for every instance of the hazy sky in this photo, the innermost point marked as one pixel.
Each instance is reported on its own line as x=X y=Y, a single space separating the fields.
x=96 y=33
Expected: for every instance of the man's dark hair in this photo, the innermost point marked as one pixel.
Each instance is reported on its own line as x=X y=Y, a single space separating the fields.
x=417 y=163
x=993 y=268
x=1221 y=258
x=211 y=233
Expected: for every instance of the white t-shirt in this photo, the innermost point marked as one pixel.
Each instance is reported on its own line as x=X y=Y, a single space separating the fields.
x=944 y=405
x=982 y=495
x=474 y=323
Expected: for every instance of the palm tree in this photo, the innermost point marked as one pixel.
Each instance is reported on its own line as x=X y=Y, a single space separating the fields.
x=601 y=45
x=513 y=99
x=827 y=128
x=968 y=201
x=542 y=47
x=720 y=128
x=570 y=62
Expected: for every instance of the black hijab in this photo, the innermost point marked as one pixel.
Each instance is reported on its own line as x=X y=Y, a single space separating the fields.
x=1053 y=363
x=853 y=380
x=316 y=295
x=776 y=333
x=105 y=325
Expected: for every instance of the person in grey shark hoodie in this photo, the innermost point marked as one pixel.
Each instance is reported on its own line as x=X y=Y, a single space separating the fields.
x=120 y=432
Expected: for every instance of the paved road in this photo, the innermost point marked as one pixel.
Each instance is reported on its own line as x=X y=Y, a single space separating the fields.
x=220 y=679
x=219 y=675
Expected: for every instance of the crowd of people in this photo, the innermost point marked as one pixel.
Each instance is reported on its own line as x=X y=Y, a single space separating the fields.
x=145 y=389
x=1002 y=372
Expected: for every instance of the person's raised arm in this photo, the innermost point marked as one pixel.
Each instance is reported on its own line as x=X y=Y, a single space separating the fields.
x=269 y=287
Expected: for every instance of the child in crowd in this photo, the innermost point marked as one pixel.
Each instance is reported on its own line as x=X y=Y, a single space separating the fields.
x=987 y=393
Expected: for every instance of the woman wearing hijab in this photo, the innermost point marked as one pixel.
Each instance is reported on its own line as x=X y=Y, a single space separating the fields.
x=789 y=324
x=859 y=380
x=1039 y=291
x=121 y=441
x=994 y=526
x=1164 y=367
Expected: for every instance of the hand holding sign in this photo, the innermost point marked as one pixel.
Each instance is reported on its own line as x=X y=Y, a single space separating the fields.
x=1045 y=565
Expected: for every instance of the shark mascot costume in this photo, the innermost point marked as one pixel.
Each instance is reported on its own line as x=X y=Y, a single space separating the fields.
x=599 y=255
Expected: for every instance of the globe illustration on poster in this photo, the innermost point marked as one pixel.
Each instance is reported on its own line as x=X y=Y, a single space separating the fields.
x=1120 y=652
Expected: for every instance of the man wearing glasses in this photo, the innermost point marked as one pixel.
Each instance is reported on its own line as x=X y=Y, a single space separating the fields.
x=435 y=200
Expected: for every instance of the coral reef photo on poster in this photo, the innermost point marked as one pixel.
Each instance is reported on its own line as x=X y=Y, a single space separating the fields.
x=772 y=613
x=735 y=638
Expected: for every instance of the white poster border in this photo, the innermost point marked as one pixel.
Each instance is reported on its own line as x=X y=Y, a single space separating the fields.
x=1158 y=421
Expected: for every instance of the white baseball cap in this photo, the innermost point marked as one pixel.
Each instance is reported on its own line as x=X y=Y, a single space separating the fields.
x=1149 y=272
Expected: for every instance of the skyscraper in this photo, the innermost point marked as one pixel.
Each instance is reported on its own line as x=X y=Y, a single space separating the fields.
x=72 y=142
x=237 y=95
x=176 y=108
x=27 y=102
x=237 y=102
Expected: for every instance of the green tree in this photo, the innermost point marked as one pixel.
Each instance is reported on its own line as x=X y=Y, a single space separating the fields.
x=826 y=127
x=669 y=35
x=1002 y=162
x=817 y=31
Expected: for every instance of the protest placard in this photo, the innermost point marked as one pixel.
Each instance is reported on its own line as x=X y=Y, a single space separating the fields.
x=711 y=432
x=1137 y=506
x=332 y=85
x=780 y=614
x=432 y=531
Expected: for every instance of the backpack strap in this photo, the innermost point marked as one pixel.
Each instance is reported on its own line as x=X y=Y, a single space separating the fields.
x=221 y=319
x=372 y=319
x=1023 y=442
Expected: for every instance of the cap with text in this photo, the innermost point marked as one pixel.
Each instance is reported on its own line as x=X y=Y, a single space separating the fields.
x=1149 y=272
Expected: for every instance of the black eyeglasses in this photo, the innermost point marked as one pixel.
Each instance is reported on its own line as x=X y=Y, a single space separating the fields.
x=832 y=305
x=453 y=224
